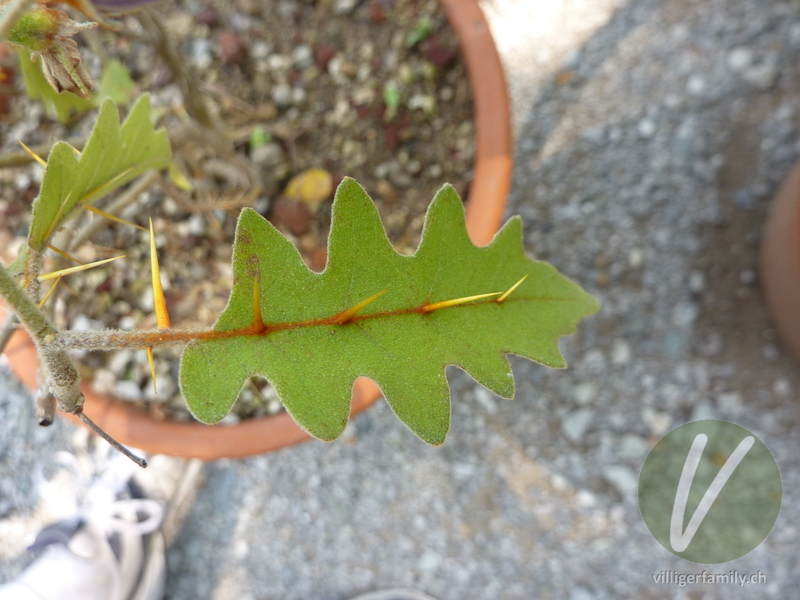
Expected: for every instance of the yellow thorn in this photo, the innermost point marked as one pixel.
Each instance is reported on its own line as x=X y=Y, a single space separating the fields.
x=446 y=303
x=152 y=364
x=180 y=180
x=159 y=302
x=258 y=320
x=511 y=289
x=348 y=314
x=54 y=222
x=33 y=154
x=98 y=191
x=49 y=292
x=64 y=254
x=71 y=270
x=111 y=217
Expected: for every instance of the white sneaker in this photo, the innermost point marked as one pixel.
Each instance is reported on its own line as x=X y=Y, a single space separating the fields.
x=113 y=548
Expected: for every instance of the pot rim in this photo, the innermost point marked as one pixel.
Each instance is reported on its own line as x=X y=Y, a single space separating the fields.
x=134 y=427
x=779 y=265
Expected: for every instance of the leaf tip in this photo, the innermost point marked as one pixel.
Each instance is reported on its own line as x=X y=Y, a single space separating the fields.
x=507 y=293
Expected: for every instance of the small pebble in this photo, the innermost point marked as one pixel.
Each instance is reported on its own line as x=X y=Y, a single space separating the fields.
x=704 y=410
x=697 y=282
x=730 y=403
x=739 y=59
x=575 y=424
x=646 y=128
x=633 y=447
x=303 y=56
x=620 y=352
x=343 y=7
x=782 y=387
x=232 y=49
x=584 y=392
x=282 y=95
x=485 y=399
x=207 y=16
x=128 y=390
x=269 y=155
x=293 y=214
x=623 y=479
x=658 y=422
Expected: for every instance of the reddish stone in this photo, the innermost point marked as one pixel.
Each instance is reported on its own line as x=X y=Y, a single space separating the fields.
x=438 y=53
x=232 y=49
x=393 y=132
x=292 y=214
x=7 y=62
x=323 y=55
x=208 y=16
x=319 y=258
x=376 y=14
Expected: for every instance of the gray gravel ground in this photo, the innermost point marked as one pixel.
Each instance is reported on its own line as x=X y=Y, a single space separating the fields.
x=650 y=137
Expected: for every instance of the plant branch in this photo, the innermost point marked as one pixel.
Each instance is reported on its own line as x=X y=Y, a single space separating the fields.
x=192 y=95
x=94 y=427
x=7 y=329
x=37 y=324
x=57 y=366
x=13 y=11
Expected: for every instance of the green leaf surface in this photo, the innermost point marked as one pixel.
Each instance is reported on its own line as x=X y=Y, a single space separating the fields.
x=313 y=361
x=116 y=83
x=113 y=156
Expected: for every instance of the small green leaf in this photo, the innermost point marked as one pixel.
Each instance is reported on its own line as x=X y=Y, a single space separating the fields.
x=313 y=359
x=392 y=99
x=116 y=83
x=421 y=31
x=113 y=156
x=259 y=137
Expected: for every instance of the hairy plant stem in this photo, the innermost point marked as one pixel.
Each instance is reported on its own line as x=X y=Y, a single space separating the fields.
x=7 y=329
x=37 y=324
x=13 y=11
x=62 y=374
x=57 y=365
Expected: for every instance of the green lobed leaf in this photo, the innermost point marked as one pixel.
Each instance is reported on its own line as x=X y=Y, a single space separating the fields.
x=116 y=83
x=391 y=341
x=113 y=156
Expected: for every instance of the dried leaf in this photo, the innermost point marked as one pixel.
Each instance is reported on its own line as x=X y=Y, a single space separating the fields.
x=312 y=186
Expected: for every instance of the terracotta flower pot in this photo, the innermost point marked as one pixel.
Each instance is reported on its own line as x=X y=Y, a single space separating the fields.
x=486 y=203
x=780 y=261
